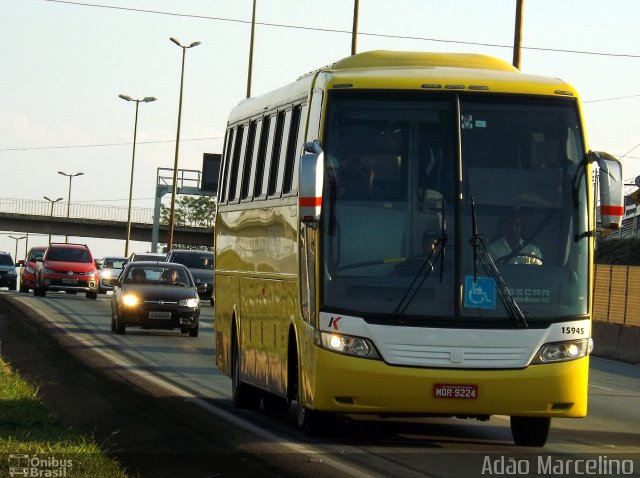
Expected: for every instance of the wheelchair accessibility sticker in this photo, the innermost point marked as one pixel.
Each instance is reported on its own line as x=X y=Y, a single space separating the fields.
x=480 y=294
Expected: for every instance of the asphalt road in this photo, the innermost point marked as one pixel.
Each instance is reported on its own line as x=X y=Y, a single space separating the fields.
x=608 y=439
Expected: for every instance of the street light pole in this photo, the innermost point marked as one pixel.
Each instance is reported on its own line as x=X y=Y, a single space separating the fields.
x=175 y=163
x=70 y=176
x=517 y=35
x=52 y=201
x=354 y=30
x=15 y=255
x=250 y=69
x=146 y=99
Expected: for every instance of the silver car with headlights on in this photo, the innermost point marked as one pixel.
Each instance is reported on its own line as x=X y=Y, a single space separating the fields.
x=110 y=269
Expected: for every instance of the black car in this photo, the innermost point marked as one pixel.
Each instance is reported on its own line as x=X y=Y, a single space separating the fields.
x=200 y=264
x=8 y=277
x=155 y=295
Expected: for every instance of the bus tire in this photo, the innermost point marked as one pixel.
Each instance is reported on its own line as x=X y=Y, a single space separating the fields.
x=530 y=431
x=243 y=395
x=315 y=422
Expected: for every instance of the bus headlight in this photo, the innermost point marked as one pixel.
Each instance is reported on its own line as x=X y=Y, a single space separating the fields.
x=346 y=344
x=563 y=351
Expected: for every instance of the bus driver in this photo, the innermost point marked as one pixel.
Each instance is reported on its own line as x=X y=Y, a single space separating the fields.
x=511 y=248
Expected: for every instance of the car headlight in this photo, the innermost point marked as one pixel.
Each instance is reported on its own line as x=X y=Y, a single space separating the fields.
x=192 y=303
x=106 y=274
x=563 y=351
x=347 y=344
x=47 y=270
x=130 y=300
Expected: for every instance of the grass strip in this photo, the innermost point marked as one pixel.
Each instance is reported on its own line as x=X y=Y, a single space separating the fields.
x=35 y=443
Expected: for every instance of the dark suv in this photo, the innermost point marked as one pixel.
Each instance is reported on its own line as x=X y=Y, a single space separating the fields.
x=8 y=277
x=67 y=267
x=200 y=264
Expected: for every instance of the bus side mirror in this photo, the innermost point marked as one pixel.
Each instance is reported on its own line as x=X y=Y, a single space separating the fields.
x=311 y=181
x=610 y=184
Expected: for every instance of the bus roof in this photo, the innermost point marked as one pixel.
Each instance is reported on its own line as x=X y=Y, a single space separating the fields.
x=401 y=70
x=438 y=71
x=406 y=59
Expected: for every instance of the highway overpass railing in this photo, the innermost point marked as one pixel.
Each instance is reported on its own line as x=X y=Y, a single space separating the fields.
x=79 y=210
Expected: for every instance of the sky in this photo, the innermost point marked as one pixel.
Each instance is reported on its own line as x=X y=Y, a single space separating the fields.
x=63 y=65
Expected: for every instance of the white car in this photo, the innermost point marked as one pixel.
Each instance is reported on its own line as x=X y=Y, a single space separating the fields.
x=111 y=268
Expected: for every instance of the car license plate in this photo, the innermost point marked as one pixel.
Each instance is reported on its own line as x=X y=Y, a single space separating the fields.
x=159 y=315
x=448 y=390
x=69 y=281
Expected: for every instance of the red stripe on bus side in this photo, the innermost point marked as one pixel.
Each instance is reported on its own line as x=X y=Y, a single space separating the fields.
x=310 y=201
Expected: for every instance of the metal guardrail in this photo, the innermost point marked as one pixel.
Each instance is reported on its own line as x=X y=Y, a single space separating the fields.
x=77 y=210
x=630 y=230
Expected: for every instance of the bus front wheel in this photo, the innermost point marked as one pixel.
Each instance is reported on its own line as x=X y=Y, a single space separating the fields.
x=530 y=431
x=243 y=395
x=315 y=422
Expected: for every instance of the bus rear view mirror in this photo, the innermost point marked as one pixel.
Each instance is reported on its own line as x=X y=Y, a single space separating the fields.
x=311 y=181
x=610 y=184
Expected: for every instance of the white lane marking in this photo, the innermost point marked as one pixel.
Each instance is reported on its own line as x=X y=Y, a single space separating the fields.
x=601 y=388
x=250 y=427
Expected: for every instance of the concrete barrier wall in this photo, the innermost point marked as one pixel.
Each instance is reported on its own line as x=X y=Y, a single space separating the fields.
x=616 y=342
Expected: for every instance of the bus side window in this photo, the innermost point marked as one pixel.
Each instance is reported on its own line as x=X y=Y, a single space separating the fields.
x=224 y=170
x=268 y=155
x=255 y=148
x=248 y=156
x=238 y=149
x=262 y=156
x=276 y=153
x=298 y=150
x=292 y=149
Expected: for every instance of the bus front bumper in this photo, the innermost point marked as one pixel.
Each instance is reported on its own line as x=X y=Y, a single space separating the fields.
x=348 y=384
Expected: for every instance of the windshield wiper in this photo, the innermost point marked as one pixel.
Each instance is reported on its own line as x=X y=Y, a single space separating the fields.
x=437 y=252
x=480 y=252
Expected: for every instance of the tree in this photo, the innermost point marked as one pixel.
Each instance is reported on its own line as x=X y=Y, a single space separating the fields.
x=193 y=211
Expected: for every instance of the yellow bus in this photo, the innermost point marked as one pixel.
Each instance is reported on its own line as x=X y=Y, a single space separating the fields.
x=365 y=252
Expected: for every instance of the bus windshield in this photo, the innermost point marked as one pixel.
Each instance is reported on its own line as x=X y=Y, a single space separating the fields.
x=399 y=234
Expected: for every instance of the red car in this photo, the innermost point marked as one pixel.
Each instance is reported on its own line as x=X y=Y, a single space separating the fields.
x=28 y=268
x=67 y=267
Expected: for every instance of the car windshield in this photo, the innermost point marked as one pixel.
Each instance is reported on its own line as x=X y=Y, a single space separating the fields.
x=149 y=257
x=158 y=275
x=36 y=255
x=68 y=255
x=5 y=260
x=113 y=263
x=194 y=260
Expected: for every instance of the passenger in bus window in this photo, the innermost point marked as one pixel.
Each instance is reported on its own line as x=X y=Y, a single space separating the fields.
x=511 y=248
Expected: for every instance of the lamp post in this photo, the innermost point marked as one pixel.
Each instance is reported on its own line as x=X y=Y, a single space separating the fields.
x=52 y=201
x=15 y=256
x=250 y=69
x=70 y=176
x=175 y=163
x=146 y=99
